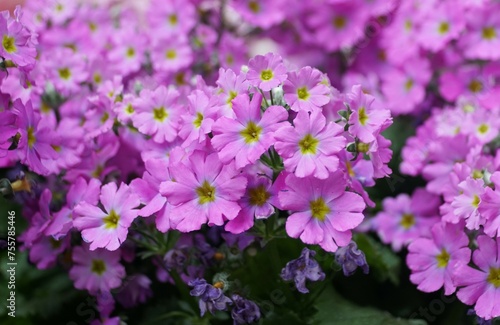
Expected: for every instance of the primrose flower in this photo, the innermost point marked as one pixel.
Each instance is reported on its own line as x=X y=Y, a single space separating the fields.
x=98 y=270
x=266 y=72
x=305 y=90
x=406 y=218
x=203 y=190
x=16 y=42
x=107 y=228
x=481 y=286
x=310 y=147
x=250 y=134
x=433 y=261
x=321 y=211
x=244 y=311
x=256 y=203
x=157 y=113
x=365 y=121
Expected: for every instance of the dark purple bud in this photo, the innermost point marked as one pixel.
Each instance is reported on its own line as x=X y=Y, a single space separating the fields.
x=244 y=311
x=302 y=269
x=350 y=258
x=479 y=320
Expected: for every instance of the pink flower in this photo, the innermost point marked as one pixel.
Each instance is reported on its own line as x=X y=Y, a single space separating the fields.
x=16 y=42
x=148 y=190
x=482 y=37
x=489 y=207
x=260 y=13
x=405 y=219
x=98 y=270
x=310 y=147
x=66 y=69
x=197 y=122
x=250 y=134
x=465 y=206
x=171 y=54
x=321 y=211
x=305 y=90
x=255 y=204
x=404 y=88
x=337 y=25
x=365 y=121
x=434 y=260
x=203 y=190
x=178 y=18
x=266 y=72
x=107 y=228
x=443 y=23
x=231 y=85
x=35 y=142
x=481 y=286
x=158 y=113
x=80 y=191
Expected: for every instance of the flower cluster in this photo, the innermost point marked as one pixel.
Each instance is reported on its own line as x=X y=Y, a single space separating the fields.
x=165 y=131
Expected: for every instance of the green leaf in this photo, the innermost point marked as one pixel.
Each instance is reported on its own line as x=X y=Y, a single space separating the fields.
x=335 y=310
x=384 y=263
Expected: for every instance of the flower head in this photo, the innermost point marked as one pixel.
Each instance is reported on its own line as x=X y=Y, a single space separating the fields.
x=301 y=269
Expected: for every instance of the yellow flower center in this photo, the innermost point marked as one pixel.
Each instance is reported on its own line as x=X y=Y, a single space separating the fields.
x=489 y=33
x=232 y=95
x=206 y=193
x=319 y=209
x=475 y=201
x=477 y=174
x=258 y=195
x=494 y=276
x=98 y=266
x=8 y=44
x=64 y=73
x=173 y=19
x=483 y=128
x=362 y=116
x=97 y=78
x=171 y=54
x=475 y=86
x=129 y=109
x=254 y=6
x=266 y=75
x=308 y=145
x=111 y=221
x=339 y=22
x=160 y=114
x=198 y=120
x=350 y=171
x=408 y=25
x=302 y=93
x=104 y=117
x=130 y=52
x=408 y=84
x=444 y=28
x=362 y=147
x=251 y=133
x=407 y=220
x=31 y=137
x=443 y=258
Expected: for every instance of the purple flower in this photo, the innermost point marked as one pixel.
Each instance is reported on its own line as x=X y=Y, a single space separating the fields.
x=244 y=311
x=350 y=257
x=302 y=269
x=211 y=297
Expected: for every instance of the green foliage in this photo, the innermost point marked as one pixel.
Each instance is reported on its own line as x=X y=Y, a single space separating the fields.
x=333 y=309
x=383 y=262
